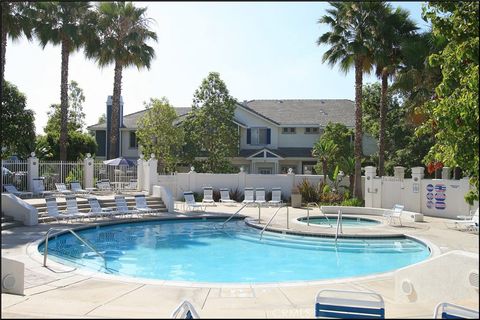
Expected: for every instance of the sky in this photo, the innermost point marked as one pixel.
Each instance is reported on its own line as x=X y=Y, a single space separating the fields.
x=262 y=50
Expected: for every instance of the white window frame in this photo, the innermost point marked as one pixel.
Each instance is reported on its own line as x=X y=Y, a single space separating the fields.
x=289 y=130
x=255 y=136
x=312 y=130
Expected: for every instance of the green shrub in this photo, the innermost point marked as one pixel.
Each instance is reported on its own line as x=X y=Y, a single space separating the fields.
x=308 y=191
x=353 y=202
x=236 y=195
x=326 y=189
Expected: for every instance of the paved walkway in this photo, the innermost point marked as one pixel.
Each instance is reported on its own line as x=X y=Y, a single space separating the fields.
x=63 y=292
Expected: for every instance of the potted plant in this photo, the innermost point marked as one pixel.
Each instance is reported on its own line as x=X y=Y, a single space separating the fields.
x=296 y=198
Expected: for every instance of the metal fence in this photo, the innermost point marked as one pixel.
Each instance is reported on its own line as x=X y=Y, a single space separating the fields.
x=60 y=172
x=116 y=174
x=15 y=173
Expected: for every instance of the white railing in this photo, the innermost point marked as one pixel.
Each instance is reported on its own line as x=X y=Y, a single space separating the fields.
x=60 y=172
x=121 y=174
x=15 y=173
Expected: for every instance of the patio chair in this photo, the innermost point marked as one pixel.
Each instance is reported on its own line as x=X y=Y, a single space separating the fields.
x=10 y=188
x=141 y=204
x=131 y=186
x=185 y=311
x=104 y=186
x=62 y=189
x=341 y=304
x=248 y=196
x=96 y=209
x=208 y=195
x=276 y=196
x=469 y=216
x=465 y=224
x=122 y=207
x=260 y=196
x=191 y=203
x=394 y=213
x=77 y=188
x=445 y=310
x=225 y=196
x=39 y=188
x=72 y=209
x=52 y=209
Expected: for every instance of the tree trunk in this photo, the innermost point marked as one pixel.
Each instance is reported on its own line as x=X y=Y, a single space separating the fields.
x=64 y=101
x=358 y=128
x=383 y=118
x=4 y=49
x=324 y=168
x=351 y=180
x=117 y=92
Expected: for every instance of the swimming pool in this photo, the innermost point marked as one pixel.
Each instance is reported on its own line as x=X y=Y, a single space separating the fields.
x=346 y=221
x=200 y=250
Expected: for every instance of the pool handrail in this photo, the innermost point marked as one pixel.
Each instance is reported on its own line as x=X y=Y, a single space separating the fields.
x=339 y=225
x=271 y=219
x=246 y=204
x=45 y=253
x=320 y=209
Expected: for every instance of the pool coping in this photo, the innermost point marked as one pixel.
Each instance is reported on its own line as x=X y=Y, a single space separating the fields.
x=33 y=253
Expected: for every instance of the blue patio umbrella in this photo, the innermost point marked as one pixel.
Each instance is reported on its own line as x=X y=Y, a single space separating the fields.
x=119 y=162
x=6 y=172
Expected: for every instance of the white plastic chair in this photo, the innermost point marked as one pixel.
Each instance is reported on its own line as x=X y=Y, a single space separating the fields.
x=465 y=224
x=96 y=209
x=191 y=203
x=141 y=204
x=122 y=207
x=39 y=188
x=225 y=196
x=342 y=304
x=62 y=189
x=260 y=196
x=52 y=209
x=394 y=213
x=72 y=209
x=248 y=196
x=208 y=195
x=276 y=197
x=445 y=310
x=10 y=188
x=185 y=311
x=77 y=188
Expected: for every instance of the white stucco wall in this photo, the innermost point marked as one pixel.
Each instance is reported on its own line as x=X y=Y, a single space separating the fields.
x=252 y=120
x=126 y=150
x=297 y=140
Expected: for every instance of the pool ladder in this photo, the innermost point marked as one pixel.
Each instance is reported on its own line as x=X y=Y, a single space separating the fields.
x=271 y=219
x=45 y=254
x=339 y=225
x=320 y=209
x=246 y=204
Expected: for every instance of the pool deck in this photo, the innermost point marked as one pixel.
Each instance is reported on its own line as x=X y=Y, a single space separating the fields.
x=66 y=292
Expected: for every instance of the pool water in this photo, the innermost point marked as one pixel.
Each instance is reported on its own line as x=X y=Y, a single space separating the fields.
x=346 y=221
x=200 y=250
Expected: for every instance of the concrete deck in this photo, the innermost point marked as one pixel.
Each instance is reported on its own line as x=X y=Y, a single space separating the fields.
x=66 y=292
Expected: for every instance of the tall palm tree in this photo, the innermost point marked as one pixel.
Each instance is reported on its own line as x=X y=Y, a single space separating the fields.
x=62 y=23
x=123 y=31
x=351 y=41
x=16 y=21
x=393 y=29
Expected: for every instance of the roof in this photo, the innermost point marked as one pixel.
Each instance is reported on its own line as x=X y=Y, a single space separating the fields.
x=283 y=152
x=304 y=111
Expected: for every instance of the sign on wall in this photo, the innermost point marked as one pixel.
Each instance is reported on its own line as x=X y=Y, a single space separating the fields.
x=436 y=198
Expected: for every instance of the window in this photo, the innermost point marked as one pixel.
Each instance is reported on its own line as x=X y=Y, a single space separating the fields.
x=265 y=170
x=288 y=130
x=258 y=136
x=133 y=143
x=312 y=130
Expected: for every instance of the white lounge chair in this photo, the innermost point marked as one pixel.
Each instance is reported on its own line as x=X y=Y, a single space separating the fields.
x=104 y=186
x=248 y=196
x=141 y=204
x=191 y=203
x=260 y=196
x=276 y=197
x=72 y=209
x=62 y=189
x=122 y=207
x=39 y=188
x=77 y=188
x=470 y=216
x=96 y=209
x=52 y=209
x=208 y=195
x=341 y=304
x=465 y=224
x=445 y=310
x=185 y=311
x=10 y=188
x=225 y=196
x=131 y=186
x=394 y=213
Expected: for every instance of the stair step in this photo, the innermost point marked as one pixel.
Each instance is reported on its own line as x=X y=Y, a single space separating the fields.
x=9 y=225
x=6 y=219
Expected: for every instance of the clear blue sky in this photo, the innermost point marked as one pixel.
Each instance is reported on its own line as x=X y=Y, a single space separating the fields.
x=261 y=50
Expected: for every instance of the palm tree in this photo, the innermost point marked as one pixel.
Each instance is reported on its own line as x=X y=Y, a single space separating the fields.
x=16 y=21
x=324 y=150
x=351 y=41
x=62 y=23
x=123 y=31
x=393 y=28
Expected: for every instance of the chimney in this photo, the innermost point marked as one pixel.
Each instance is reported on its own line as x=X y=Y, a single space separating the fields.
x=109 y=122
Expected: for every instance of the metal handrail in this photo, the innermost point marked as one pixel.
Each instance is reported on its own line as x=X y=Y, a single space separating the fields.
x=246 y=204
x=339 y=225
x=271 y=219
x=320 y=209
x=45 y=254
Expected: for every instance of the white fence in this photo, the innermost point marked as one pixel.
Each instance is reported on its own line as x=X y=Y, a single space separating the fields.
x=15 y=173
x=120 y=174
x=60 y=172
